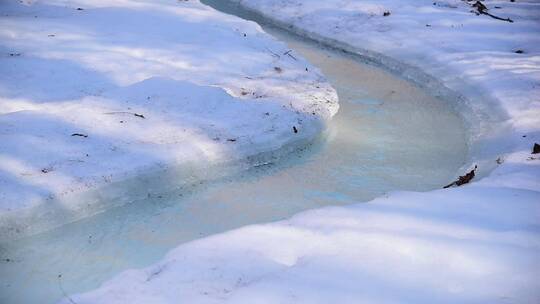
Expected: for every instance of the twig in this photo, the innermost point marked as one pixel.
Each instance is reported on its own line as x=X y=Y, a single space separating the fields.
x=498 y=18
x=481 y=9
x=79 y=134
x=288 y=53
x=273 y=54
x=63 y=291
x=124 y=112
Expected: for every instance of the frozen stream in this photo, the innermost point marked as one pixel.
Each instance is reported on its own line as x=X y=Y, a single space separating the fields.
x=388 y=135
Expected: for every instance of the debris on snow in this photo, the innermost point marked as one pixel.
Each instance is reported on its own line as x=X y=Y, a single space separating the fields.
x=536 y=149
x=464 y=179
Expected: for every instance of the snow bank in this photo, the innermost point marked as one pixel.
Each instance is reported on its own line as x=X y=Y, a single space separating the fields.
x=100 y=97
x=455 y=246
x=475 y=244
x=487 y=69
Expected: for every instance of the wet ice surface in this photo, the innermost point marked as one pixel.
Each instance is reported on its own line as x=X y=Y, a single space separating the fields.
x=388 y=135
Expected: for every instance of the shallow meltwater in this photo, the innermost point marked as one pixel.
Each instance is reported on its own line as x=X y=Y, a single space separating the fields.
x=388 y=135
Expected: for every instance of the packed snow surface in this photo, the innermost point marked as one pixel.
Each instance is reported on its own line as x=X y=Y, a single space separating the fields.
x=100 y=97
x=479 y=243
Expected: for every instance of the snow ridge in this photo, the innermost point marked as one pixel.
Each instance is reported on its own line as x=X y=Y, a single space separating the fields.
x=176 y=93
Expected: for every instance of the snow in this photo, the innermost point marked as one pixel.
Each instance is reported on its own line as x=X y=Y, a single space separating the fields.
x=479 y=243
x=92 y=108
x=447 y=44
x=445 y=246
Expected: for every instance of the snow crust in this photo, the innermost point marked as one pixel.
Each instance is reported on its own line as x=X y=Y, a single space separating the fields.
x=100 y=98
x=475 y=244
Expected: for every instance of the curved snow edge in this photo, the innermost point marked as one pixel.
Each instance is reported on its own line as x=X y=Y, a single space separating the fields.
x=166 y=181
x=252 y=106
x=482 y=119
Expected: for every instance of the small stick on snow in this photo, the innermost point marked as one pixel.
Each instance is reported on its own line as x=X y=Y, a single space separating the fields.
x=464 y=179
x=273 y=54
x=288 y=53
x=63 y=290
x=123 y=112
x=79 y=134
x=481 y=9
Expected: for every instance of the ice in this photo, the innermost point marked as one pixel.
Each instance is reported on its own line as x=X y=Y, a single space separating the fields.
x=363 y=155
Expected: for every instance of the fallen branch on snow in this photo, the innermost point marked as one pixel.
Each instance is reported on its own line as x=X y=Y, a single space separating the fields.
x=464 y=179
x=481 y=9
